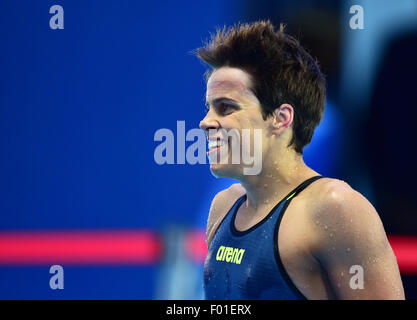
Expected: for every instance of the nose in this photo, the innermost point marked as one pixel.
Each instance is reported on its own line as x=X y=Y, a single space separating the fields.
x=210 y=121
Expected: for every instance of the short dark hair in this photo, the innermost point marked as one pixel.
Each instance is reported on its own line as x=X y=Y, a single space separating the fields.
x=281 y=69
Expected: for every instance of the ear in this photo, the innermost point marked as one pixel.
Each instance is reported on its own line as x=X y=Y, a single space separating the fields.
x=283 y=118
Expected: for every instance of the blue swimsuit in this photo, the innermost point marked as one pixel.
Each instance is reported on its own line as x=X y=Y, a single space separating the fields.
x=246 y=264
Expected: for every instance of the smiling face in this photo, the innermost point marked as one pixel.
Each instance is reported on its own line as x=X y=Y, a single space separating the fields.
x=231 y=106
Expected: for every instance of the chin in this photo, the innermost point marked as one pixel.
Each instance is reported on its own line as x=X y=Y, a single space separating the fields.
x=226 y=171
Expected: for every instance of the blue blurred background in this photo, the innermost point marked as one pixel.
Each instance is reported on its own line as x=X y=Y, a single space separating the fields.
x=79 y=108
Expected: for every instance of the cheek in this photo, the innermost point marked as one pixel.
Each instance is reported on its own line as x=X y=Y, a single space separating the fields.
x=249 y=120
x=253 y=130
x=254 y=123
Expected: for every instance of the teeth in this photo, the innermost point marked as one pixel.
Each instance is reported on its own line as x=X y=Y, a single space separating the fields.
x=216 y=143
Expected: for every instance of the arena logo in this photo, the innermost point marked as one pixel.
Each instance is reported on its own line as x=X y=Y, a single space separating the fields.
x=219 y=146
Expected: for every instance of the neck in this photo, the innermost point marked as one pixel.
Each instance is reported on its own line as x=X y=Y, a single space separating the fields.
x=280 y=174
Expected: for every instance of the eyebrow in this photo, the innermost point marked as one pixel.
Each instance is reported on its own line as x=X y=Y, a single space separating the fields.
x=221 y=99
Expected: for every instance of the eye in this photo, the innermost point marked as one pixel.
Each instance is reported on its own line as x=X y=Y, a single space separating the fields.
x=225 y=108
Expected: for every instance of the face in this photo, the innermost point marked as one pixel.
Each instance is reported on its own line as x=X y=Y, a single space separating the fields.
x=232 y=108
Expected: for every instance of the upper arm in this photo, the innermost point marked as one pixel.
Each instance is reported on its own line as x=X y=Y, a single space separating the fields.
x=220 y=205
x=351 y=245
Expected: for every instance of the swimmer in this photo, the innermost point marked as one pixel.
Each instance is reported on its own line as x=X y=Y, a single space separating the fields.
x=286 y=232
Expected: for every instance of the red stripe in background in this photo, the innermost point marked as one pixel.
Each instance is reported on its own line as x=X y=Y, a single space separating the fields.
x=141 y=247
x=195 y=245
x=80 y=247
x=405 y=249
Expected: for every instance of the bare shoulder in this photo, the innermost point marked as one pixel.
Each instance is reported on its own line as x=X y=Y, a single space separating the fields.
x=341 y=217
x=334 y=203
x=220 y=205
x=334 y=200
x=345 y=230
